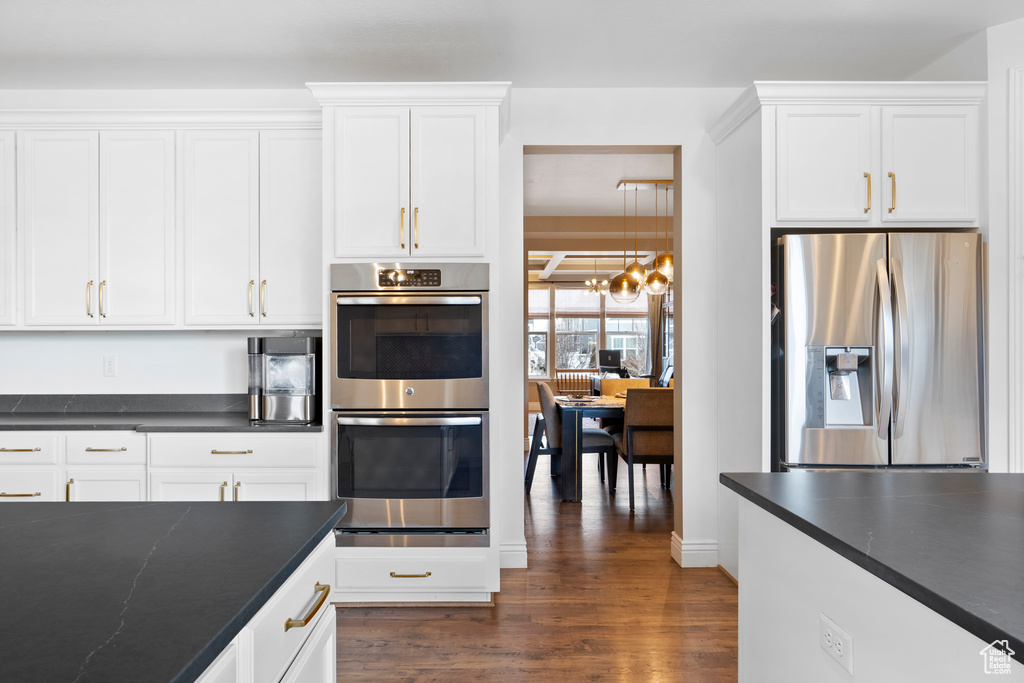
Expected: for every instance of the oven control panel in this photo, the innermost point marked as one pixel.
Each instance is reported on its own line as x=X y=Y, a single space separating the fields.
x=407 y=277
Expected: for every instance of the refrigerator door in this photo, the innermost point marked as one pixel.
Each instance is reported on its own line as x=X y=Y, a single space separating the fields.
x=831 y=307
x=938 y=402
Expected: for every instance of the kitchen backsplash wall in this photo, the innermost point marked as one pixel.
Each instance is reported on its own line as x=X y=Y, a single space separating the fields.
x=178 y=362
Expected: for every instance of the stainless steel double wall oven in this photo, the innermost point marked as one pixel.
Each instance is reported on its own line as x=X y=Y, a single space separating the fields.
x=409 y=395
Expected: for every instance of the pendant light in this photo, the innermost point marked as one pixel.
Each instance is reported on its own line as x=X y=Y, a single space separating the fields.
x=623 y=288
x=636 y=269
x=594 y=286
x=665 y=263
x=656 y=282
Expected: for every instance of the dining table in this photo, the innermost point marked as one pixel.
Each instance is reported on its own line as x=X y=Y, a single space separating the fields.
x=573 y=412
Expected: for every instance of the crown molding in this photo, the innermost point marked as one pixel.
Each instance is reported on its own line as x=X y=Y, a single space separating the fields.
x=131 y=119
x=879 y=93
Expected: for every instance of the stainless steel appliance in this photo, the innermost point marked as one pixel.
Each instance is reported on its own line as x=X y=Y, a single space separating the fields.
x=283 y=379
x=409 y=392
x=878 y=354
x=409 y=338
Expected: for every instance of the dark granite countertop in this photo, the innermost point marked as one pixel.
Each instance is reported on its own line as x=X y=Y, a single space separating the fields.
x=952 y=541
x=98 y=592
x=135 y=412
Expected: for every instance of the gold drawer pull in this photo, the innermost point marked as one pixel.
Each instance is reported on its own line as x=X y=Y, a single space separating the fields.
x=867 y=209
x=395 y=575
x=19 y=450
x=20 y=495
x=324 y=591
x=892 y=203
x=89 y=449
x=231 y=452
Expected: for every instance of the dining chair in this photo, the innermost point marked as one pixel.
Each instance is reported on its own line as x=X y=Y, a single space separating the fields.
x=647 y=437
x=610 y=387
x=550 y=426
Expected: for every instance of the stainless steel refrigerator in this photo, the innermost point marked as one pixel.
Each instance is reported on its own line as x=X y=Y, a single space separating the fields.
x=878 y=351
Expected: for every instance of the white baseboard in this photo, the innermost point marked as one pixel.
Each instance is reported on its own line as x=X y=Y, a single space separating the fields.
x=694 y=553
x=512 y=556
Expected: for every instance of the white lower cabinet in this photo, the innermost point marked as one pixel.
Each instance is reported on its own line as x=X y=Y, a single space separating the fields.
x=105 y=484
x=30 y=467
x=415 y=574
x=105 y=466
x=233 y=467
x=293 y=638
x=25 y=484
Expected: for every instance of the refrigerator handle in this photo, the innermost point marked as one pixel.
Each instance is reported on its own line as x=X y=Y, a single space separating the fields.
x=902 y=368
x=888 y=350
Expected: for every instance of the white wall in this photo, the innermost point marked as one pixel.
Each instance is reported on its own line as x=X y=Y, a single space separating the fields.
x=642 y=116
x=210 y=362
x=968 y=61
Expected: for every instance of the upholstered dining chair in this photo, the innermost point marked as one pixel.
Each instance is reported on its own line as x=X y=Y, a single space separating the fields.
x=647 y=437
x=550 y=425
x=612 y=386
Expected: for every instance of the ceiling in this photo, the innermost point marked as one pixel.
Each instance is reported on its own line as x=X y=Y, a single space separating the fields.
x=532 y=43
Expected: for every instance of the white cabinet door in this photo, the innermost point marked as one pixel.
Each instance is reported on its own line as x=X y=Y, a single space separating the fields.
x=58 y=191
x=136 y=256
x=317 y=661
x=221 y=204
x=930 y=159
x=7 y=228
x=200 y=485
x=823 y=156
x=371 y=181
x=447 y=181
x=103 y=484
x=27 y=484
x=291 y=220
x=278 y=485
x=226 y=668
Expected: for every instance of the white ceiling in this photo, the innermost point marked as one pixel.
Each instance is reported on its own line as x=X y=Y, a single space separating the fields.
x=532 y=43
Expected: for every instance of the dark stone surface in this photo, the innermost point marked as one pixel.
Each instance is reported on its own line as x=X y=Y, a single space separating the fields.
x=138 y=412
x=100 y=592
x=952 y=541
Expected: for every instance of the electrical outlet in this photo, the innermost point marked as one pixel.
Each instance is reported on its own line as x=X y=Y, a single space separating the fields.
x=837 y=643
x=110 y=366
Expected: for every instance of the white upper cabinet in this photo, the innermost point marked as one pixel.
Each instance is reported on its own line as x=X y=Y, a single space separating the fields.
x=876 y=165
x=409 y=181
x=930 y=161
x=291 y=227
x=221 y=205
x=97 y=215
x=252 y=227
x=7 y=228
x=823 y=163
x=59 y=218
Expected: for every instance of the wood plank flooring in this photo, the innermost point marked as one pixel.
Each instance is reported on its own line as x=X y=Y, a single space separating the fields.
x=601 y=601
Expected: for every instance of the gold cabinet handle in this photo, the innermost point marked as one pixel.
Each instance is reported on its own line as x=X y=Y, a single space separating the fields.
x=395 y=575
x=416 y=222
x=238 y=485
x=867 y=209
x=19 y=450
x=19 y=495
x=263 y=298
x=103 y=311
x=324 y=591
x=401 y=229
x=88 y=299
x=892 y=203
x=223 y=486
x=251 y=313
x=67 y=492
x=231 y=452
x=90 y=449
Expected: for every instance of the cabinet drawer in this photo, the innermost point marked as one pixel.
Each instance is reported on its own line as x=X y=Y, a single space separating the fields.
x=105 y=448
x=233 y=451
x=274 y=648
x=29 y=484
x=412 y=574
x=28 y=449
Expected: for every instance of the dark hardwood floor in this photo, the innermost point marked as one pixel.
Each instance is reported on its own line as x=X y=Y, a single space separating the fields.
x=601 y=601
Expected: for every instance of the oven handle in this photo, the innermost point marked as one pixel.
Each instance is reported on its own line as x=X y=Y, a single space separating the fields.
x=408 y=300
x=407 y=421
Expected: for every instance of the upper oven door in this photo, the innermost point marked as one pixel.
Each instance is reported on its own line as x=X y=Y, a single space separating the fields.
x=406 y=350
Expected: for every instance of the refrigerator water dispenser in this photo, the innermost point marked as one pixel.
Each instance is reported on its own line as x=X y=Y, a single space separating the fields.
x=848 y=395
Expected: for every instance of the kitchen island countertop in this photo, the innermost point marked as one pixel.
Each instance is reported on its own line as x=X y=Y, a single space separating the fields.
x=141 y=591
x=952 y=541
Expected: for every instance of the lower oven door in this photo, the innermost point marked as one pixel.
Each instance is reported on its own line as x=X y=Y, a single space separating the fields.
x=411 y=471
